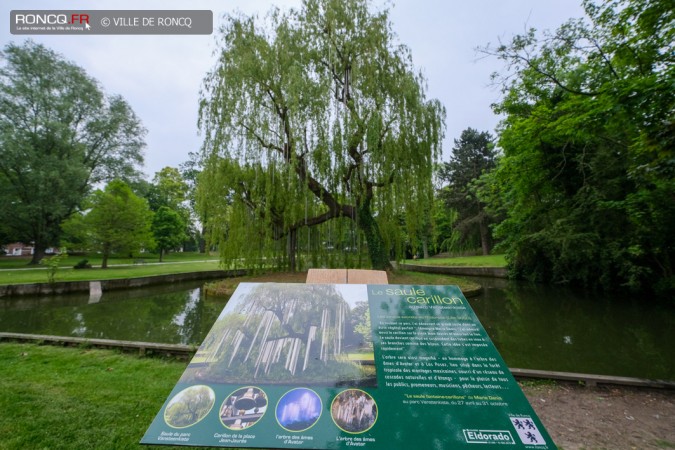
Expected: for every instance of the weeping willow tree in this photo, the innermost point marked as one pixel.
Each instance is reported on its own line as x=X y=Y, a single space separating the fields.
x=315 y=119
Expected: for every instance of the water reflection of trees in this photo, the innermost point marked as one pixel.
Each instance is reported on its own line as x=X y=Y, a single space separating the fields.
x=555 y=328
x=149 y=314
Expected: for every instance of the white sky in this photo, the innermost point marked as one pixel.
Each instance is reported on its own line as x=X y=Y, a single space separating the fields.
x=160 y=76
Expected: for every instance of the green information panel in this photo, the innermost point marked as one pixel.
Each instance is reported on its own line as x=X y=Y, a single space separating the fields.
x=347 y=366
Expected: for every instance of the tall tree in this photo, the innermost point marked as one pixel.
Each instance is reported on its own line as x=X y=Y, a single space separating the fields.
x=473 y=155
x=168 y=228
x=589 y=137
x=191 y=170
x=118 y=221
x=324 y=102
x=59 y=135
x=168 y=189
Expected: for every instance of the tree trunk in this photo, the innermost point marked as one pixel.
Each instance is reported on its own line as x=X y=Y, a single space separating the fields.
x=379 y=254
x=104 y=261
x=202 y=241
x=161 y=254
x=425 y=248
x=38 y=254
x=485 y=238
x=292 y=249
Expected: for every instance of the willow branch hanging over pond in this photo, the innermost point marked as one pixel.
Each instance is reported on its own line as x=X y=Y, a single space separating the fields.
x=316 y=125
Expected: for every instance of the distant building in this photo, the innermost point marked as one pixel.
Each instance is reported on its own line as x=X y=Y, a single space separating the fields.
x=21 y=249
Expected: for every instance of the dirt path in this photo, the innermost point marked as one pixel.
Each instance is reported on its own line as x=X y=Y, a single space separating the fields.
x=611 y=418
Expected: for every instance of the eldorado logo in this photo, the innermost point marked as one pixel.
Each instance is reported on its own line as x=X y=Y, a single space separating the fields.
x=488 y=436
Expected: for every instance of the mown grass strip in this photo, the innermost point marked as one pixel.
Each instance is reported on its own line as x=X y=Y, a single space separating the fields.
x=20 y=276
x=21 y=262
x=466 y=261
x=68 y=398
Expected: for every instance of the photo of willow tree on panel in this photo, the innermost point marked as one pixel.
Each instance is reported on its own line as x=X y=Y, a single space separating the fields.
x=290 y=334
x=316 y=116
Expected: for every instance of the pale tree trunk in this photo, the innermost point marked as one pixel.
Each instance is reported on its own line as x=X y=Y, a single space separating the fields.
x=485 y=238
x=292 y=249
x=202 y=241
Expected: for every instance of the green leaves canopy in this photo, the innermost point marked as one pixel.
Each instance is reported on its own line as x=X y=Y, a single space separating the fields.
x=168 y=228
x=589 y=169
x=473 y=155
x=118 y=221
x=326 y=107
x=59 y=135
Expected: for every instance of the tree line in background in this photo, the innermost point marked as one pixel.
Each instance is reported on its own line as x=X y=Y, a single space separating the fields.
x=321 y=148
x=582 y=188
x=60 y=136
x=586 y=182
x=126 y=218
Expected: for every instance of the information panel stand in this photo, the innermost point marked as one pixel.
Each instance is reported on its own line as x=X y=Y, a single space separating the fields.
x=343 y=366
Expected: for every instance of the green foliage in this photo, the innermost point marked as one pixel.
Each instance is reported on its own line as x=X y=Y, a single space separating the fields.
x=189 y=407
x=52 y=263
x=168 y=189
x=118 y=221
x=59 y=135
x=82 y=264
x=168 y=229
x=473 y=156
x=310 y=117
x=363 y=327
x=589 y=166
x=191 y=170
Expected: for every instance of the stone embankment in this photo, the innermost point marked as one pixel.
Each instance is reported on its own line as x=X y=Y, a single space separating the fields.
x=67 y=287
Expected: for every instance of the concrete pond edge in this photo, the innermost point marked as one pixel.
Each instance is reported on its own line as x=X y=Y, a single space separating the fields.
x=96 y=287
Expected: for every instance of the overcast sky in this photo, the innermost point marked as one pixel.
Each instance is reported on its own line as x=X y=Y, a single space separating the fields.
x=160 y=76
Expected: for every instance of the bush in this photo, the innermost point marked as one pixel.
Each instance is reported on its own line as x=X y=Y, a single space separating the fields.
x=83 y=264
x=52 y=264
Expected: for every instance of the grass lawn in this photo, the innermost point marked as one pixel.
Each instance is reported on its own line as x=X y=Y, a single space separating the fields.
x=19 y=276
x=16 y=271
x=21 y=262
x=187 y=262
x=406 y=277
x=70 y=398
x=468 y=261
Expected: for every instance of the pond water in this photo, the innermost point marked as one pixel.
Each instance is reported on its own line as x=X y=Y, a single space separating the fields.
x=553 y=328
x=175 y=314
x=533 y=326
